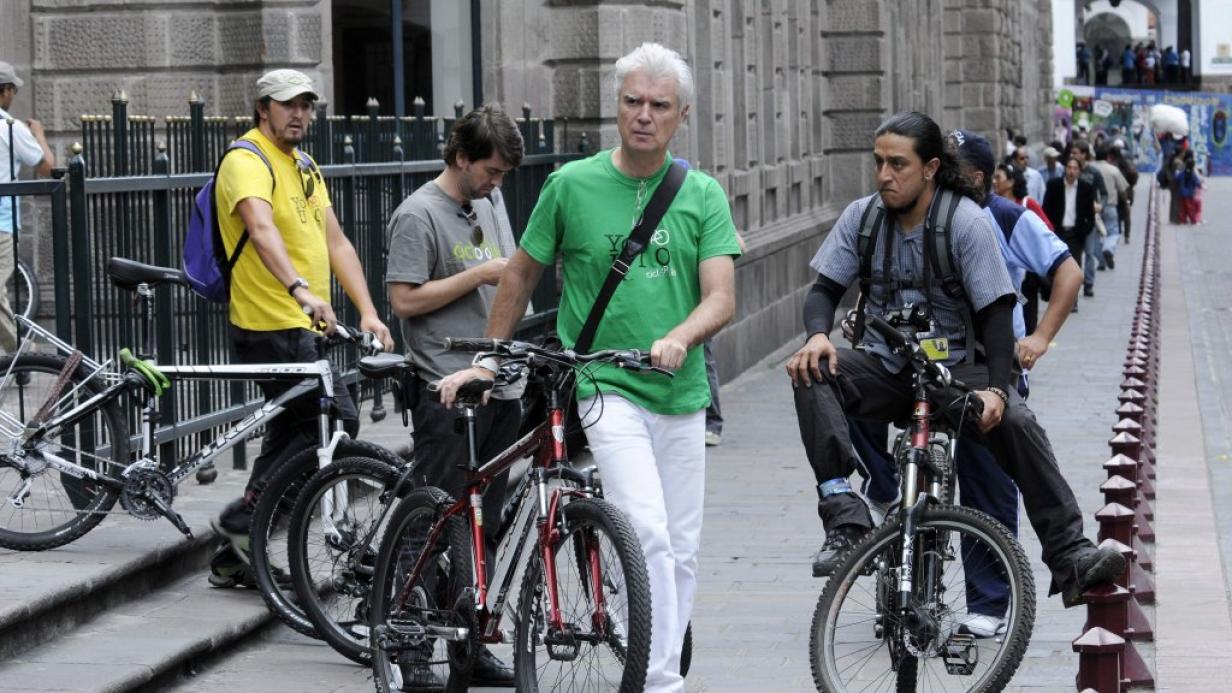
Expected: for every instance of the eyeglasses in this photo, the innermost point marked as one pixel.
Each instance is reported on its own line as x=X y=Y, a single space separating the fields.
x=307 y=178
x=470 y=215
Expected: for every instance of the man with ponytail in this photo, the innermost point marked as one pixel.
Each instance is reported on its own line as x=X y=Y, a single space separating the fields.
x=915 y=166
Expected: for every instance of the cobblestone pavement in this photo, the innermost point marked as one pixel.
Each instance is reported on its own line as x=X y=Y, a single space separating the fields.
x=756 y=595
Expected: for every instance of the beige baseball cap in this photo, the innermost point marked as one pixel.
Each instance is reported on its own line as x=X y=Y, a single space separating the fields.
x=284 y=85
x=8 y=75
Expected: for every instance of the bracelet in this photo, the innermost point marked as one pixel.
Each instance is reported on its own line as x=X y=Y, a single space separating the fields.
x=1002 y=394
x=489 y=362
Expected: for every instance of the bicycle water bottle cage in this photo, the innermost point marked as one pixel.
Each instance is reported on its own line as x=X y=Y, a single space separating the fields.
x=151 y=378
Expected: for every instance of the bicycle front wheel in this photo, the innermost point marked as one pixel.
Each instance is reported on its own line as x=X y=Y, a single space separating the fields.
x=423 y=629
x=41 y=507
x=603 y=640
x=271 y=520
x=331 y=549
x=862 y=641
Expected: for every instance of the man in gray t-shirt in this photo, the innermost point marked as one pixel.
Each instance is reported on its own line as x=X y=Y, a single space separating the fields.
x=448 y=244
x=832 y=384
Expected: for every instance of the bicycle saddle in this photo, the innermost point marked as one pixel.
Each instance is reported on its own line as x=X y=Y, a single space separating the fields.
x=127 y=274
x=384 y=365
x=469 y=395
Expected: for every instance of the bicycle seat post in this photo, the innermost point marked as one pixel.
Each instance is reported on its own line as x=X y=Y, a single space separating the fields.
x=145 y=305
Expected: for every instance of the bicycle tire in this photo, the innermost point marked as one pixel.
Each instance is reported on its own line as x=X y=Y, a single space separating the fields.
x=271 y=518
x=860 y=563
x=307 y=543
x=23 y=284
x=586 y=519
x=88 y=501
x=443 y=595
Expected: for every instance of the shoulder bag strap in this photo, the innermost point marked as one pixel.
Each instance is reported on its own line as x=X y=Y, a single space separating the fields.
x=248 y=146
x=638 y=238
x=870 y=225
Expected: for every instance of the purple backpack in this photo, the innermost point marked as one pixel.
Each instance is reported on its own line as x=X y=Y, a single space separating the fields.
x=206 y=265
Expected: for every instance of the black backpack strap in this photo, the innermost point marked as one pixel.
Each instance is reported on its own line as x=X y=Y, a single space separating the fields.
x=248 y=146
x=638 y=238
x=866 y=244
x=939 y=260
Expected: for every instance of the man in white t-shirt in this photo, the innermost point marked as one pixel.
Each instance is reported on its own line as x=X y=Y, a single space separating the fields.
x=21 y=144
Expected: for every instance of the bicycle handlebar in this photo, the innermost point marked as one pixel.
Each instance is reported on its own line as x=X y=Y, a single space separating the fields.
x=633 y=359
x=366 y=342
x=900 y=344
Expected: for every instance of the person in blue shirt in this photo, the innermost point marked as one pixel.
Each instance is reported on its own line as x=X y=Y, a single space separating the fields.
x=1026 y=246
x=1172 y=60
x=1129 y=61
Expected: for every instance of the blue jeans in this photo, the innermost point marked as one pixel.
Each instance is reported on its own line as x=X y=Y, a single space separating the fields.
x=1112 y=220
x=1093 y=250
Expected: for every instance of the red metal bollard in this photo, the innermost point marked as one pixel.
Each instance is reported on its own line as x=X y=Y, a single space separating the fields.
x=1116 y=522
x=1110 y=606
x=1099 y=660
x=1130 y=410
x=1135 y=579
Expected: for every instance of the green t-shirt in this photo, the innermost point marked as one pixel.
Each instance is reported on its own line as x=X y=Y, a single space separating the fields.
x=585 y=212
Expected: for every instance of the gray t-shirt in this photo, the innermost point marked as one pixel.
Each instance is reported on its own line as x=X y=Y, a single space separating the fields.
x=430 y=238
x=977 y=259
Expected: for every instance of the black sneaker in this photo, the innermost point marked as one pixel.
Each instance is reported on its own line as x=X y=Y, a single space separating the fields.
x=490 y=671
x=838 y=540
x=1109 y=259
x=1088 y=291
x=1092 y=567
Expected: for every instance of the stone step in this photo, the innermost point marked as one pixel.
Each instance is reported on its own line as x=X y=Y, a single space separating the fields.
x=144 y=644
x=46 y=594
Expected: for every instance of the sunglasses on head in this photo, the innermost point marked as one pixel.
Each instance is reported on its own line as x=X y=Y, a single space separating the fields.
x=470 y=215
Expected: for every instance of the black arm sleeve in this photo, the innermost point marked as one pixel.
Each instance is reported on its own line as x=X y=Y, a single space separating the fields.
x=820 y=304
x=996 y=327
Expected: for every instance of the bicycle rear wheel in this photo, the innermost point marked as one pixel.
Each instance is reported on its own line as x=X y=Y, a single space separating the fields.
x=271 y=521
x=603 y=646
x=860 y=641
x=423 y=632
x=330 y=559
x=40 y=507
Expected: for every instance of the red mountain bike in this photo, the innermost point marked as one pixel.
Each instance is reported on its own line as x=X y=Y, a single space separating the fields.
x=582 y=618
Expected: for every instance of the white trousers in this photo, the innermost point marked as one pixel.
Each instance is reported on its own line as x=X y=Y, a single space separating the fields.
x=653 y=467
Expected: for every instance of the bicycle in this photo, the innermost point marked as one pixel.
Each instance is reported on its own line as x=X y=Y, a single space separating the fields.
x=583 y=612
x=61 y=426
x=889 y=616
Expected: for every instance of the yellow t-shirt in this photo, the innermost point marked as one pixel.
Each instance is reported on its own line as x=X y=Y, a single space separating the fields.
x=258 y=300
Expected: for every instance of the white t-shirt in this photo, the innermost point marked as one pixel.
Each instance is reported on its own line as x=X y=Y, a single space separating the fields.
x=26 y=152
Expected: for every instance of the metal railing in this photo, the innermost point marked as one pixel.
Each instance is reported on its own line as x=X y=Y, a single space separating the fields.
x=129 y=192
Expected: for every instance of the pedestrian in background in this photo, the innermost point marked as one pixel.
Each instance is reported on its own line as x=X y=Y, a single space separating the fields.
x=24 y=144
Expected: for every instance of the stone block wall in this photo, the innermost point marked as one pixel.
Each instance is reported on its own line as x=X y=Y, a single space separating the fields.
x=160 y=51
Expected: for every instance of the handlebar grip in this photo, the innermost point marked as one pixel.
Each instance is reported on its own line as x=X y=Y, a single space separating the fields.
x=470 y=344
x=892 y=336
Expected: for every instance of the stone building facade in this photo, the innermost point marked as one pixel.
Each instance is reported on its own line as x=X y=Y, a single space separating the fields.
x=788 y=91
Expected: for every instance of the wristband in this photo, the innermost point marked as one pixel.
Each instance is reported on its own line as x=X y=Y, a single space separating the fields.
x=1002 y=394
x=489 y=362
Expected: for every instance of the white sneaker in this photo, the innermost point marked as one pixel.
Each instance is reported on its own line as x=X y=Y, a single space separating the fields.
x=981 y=625
x=713 y=439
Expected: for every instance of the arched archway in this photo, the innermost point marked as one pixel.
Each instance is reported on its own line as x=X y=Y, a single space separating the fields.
x=1108 y=31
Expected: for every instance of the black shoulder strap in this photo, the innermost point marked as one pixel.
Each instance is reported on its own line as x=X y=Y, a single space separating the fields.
x=638 y=238
x=866 y=244
x=939 y=251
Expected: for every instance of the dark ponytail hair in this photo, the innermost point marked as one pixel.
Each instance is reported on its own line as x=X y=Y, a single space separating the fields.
x=929 y=145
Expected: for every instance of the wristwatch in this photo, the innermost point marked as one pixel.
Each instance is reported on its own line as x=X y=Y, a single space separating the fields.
x=298 y=283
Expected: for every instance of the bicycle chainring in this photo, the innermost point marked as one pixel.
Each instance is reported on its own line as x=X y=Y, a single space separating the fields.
x=141 y=487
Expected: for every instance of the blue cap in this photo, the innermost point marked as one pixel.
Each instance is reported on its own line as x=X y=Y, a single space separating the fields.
x=975 y=150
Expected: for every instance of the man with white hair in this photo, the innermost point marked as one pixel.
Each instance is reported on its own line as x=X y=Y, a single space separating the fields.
x=648 y=433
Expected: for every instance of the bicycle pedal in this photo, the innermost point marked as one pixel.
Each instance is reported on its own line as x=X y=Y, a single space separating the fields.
x=960 y=655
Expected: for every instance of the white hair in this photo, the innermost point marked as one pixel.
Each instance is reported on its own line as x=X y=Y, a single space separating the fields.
x=656 y=61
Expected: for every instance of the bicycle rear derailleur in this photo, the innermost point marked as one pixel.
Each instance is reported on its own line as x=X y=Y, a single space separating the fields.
x=147 y=495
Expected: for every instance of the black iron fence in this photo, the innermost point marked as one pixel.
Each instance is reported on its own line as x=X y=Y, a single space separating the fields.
x=129 y=191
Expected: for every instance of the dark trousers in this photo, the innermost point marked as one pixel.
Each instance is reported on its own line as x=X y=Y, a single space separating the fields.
x=864 y=390
x=714 y=413
x=297 y=428
x=1031 y=292
x=1123 y=214
x=441 y=450
x=983 y=485
x=1076 y=243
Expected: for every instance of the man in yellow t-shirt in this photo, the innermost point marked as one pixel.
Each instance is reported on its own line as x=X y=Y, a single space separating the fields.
x=280 y=281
